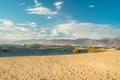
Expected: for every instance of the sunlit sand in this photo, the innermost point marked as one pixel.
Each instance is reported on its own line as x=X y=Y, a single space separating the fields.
x=91 y=66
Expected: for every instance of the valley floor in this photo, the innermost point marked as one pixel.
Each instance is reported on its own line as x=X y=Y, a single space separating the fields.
x=92 y=66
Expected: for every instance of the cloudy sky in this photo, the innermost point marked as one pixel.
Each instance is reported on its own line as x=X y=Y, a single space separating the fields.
x=36 y=19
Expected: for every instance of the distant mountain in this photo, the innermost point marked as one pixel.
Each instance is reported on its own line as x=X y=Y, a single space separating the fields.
x=106 y=42
x=3 y=41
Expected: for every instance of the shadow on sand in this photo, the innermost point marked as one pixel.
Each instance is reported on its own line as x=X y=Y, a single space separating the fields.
x=13 y=51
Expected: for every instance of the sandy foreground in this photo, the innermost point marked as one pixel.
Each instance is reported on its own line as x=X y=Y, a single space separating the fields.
x=94 y=66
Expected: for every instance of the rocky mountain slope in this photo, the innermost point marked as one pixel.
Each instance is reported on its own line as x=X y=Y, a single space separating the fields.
x=106 y=42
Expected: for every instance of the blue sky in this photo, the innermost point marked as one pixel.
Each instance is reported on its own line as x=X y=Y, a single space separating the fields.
x=36 y=19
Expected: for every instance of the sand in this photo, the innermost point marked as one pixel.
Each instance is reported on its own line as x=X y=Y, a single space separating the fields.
x=93 y=66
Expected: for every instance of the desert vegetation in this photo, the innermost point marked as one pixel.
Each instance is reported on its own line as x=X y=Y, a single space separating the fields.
x=117 y=48
x=96 y=49
x=5 y=49
x=29 y=46
x=63 y=49
x=89 y=50
x=39 y=49
x=76 y=51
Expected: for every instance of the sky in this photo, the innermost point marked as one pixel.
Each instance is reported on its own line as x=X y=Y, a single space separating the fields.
x=38 y=19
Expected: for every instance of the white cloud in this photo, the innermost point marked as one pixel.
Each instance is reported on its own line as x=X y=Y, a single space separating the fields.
x=21 y=4
x=54 y=32
x=73 y=29
x=11 y=31
x=41 y=11
x=91 y=6
x=49 y=17
x=6 y=22
x=37 y=3
x=42 y=33
x=84 y=30
x=28 y=24
x=58 y=4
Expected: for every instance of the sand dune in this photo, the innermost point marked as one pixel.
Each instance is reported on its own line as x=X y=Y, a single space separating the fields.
x=94 y=66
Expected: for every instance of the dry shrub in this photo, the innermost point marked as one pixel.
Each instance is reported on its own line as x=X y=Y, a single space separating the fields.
x=94 y=49
x=29 y=45
x=63 y=49
x=75 y=51
x=5 y=49
x=117 y=48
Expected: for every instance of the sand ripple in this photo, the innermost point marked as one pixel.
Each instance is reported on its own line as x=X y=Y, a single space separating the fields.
x=94 y=66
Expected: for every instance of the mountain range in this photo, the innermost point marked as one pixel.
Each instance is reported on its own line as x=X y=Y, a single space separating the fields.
x=106 y=42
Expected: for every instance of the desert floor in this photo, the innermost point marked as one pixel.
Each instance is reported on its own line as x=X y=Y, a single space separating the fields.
x=93 y=66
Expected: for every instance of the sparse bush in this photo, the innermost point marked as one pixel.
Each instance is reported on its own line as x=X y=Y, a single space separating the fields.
x=82 y=46
x=44 y=46
x=94 y=49
x=76 y=51
x=5 y=49
x=29 y=45
x=117 y=48
x=63 y=49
